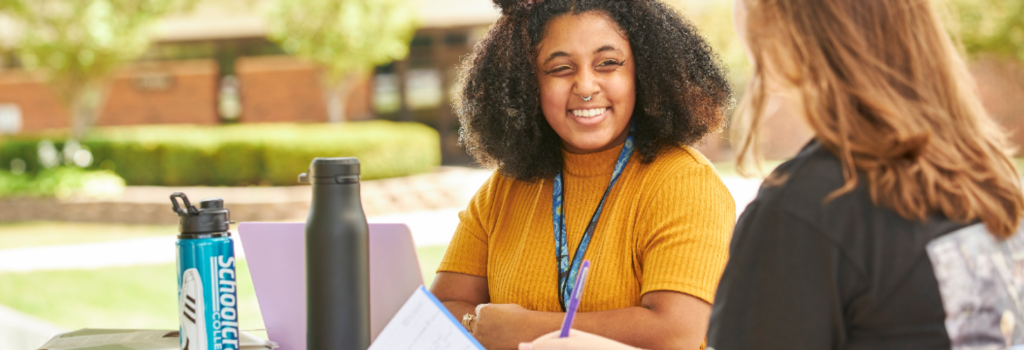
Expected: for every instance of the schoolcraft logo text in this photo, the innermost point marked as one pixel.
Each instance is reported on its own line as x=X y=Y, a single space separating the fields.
x=225 y=310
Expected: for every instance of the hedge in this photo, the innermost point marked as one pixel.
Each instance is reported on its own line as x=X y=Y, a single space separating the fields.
x=243 y=154
x=60 y=182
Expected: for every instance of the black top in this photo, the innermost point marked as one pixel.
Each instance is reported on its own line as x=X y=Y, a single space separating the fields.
x=846 y=274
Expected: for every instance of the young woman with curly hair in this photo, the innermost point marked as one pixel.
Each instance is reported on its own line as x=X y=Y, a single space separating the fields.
x=588 y=108
x=897 y=227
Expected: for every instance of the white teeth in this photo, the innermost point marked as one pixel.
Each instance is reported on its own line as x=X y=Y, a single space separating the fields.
x=589 y=113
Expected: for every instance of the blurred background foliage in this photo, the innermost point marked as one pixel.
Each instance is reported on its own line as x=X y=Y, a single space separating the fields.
x=231 y=155
x=990 y=26
x=78 y=44
x=347 y=38
x=61 y=182
x=715 y=21
x=986 y=27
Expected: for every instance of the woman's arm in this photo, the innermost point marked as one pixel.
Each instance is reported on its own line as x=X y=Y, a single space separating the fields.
x=460 y=293
x=664 y=320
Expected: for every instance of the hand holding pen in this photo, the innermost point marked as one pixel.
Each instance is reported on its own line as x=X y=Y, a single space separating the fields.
x=574 y=301
x=579 y=339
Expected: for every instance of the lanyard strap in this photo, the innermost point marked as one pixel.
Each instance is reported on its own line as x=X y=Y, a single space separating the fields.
x=567 y=271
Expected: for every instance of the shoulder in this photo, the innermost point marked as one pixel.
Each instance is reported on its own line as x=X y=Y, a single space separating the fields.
x=800 y=188
x=681 y=159
x=683 y=165
x=501 y=188
x=684 y=175
x=800 y=185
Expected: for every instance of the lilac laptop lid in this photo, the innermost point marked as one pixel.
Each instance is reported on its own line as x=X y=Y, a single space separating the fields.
x=276 y=252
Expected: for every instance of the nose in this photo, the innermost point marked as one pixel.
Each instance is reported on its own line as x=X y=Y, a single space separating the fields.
x=586 y=83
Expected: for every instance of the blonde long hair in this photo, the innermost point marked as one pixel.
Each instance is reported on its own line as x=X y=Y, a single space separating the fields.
x=884 y=88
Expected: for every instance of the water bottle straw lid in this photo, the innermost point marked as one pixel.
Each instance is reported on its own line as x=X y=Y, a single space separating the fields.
x=210 y=217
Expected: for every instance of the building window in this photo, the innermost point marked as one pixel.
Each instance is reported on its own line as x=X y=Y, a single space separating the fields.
x=458 y=39
x=10 y=119
x=387 y=98
x=424 y=89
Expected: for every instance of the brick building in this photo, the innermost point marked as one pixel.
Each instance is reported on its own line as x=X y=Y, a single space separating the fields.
x=222 y=48
x=162 y=93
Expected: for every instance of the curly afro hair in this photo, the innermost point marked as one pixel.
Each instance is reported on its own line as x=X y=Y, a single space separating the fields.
x=682 y=92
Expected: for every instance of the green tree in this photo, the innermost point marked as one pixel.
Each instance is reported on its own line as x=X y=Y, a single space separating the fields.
x=10 y=5
x=77 y=44
x=714 y=19
x=345 y=37
x=991 y=26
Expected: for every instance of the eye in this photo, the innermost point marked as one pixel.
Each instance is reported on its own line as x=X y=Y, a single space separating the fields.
x=609 y=65
x=558 y=69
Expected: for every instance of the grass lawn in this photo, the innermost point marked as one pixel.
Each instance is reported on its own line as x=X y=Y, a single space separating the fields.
x=130 y=297
x=34 y=234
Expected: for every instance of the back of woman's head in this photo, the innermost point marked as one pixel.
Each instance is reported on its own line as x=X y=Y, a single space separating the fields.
x=883 y=86
x=681 y=89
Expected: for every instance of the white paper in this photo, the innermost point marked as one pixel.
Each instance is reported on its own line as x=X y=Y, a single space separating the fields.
x=423 y=323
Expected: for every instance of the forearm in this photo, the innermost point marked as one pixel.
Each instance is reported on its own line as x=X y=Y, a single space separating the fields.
x=460 y=308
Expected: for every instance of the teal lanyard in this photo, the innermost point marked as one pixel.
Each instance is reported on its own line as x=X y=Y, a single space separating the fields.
x=566 y=271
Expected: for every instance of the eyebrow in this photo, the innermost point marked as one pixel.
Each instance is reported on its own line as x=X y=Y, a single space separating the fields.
x=558 y=54
x=555 y=55
x=607 y=48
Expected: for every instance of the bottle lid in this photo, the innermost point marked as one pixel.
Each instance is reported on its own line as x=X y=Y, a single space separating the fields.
x=210 y=217
x=332 y=170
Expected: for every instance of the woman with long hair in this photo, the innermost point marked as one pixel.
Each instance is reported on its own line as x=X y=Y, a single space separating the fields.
x=896 y=226
x=588 y=108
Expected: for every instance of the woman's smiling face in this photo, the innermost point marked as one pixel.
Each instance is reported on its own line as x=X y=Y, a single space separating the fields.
x=586 y=55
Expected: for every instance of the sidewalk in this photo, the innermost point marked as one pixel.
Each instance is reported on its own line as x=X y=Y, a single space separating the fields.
x=429 y=228
x=20 y=331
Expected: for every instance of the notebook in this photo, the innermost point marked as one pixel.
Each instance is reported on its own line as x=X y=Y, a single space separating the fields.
x=275 y=253
x=423 y=323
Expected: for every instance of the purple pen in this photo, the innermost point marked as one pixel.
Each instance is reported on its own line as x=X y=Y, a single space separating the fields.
x=574 y=300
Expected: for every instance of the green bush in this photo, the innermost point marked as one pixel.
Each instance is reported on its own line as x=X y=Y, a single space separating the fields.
x=244 y=154
x=60 y=182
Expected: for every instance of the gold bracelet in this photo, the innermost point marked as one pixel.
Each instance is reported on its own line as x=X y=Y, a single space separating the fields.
x=467 y=321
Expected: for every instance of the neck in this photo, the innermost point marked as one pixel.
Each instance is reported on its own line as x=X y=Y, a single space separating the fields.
x=574 y=150
x=616 y=142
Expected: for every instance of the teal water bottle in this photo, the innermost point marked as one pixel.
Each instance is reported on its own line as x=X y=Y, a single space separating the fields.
x=207 y=293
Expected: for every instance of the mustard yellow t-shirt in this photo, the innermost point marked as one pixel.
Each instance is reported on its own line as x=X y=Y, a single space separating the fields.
x=665 y=226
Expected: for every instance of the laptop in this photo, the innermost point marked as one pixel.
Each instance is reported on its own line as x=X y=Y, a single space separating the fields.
x=275 y=253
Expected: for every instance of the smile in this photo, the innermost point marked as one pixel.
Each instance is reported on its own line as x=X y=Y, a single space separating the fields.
x=588 y=113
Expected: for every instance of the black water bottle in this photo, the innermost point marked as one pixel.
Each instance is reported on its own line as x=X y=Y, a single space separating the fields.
x=337 y=258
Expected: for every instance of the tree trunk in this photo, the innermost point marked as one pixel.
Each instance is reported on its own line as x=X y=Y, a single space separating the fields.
x=86 y=102
x=402 y=71
x=336 y=96
x=335 y=105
